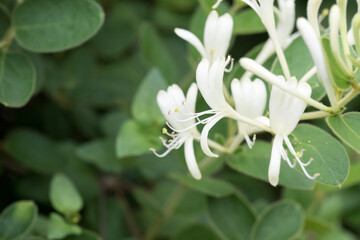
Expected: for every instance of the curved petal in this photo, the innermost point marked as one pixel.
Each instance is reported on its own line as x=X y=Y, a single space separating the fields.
x=223 y=35
x=204 y=136
x=191 y=96
x=275 y=161
x=190 y=159
x=192 y=39
x=210 y=31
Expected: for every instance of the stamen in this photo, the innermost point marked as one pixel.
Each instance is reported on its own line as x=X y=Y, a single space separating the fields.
x=176 y=110
x=164 y=131
x=212 y=51
x=231 y=66
x=248 y=141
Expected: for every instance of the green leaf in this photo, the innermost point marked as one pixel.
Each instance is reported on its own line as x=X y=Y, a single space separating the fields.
x=280 y=221
x=347 y=128
x=144 y=107
x=17 y=79
x=156 y=54
x=65 y=23
x=64 y=196
x=58 y=228
x=196 y=231
x=300 y=62
x=85 y=235
x=4 y=21
x=329 y=157
x=337 y=75
x=111 y=123
x=132 y=140
x=209 y=186
x=248 y=22
x=232 y=216
x=101 y=153
x=35 y=151
x=255 y=162
x=17 y=220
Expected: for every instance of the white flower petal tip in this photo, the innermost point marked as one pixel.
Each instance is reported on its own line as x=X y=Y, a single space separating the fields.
x=192 y=39
x=191 y=160
x=275 y=161
x=217 y=4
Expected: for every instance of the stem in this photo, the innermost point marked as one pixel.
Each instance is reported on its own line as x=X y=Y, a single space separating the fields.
x=308 y=75
x=314 y=115
x=216 y=146
x=235 y=143
x=281 y=56
x=353 y=93
x=170 y=207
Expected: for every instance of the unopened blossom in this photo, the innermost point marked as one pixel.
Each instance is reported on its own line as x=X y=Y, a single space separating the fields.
x=250 y=101
x=313 y=43
x=285 y=112
x=217 y=36
x=178 y=111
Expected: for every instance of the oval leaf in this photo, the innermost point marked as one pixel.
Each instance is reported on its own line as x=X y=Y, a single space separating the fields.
x=58 y=228
x=17 y=79
x=65 y=23
x=255 y=162
x=232 y=216
x=17 y=220
x=248 y=22
x=280 y=221
x=64 y=196
x=329 y=157
x=209 y=186
x=347 y=128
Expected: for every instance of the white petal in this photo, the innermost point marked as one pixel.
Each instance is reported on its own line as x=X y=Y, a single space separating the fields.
x=286 y=20
x=275 y=161
x=190 y=159
x=204 y=136
x=350 y=37
x=191 y=98
x=192 y=39
x=312 y=14
x=210 y=32
x=315 y=48
x=223 y=35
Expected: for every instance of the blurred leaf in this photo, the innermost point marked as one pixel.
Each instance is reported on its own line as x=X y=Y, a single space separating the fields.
x=209 y=186
x=4 y=21
x=302 y=197
x=111 y=123
x=40 y=227
x=156 y=54
x=113 y=218
x=59 y=228
x=119 y=30
x=17 y=220
x=316 y=225
x=38 y=62
x=338 y=235
x=17 y=79
x=65 y=23
x=206 y=6
x=347 y=128
x=64 y=196
x=247 y=22
x=86 y=120
x=300 y=62
x=35 y=151
x=26 y=190
x=330 y=158
x=132 y=140
x=280 y=221
x=196 y=231
x=178 y=5
x=85 y=235
x=339 y=77
x=101 y=153
x=144 y=107
x=354 y=176
x=254 y=162
x=169 y=19
x=232 y=216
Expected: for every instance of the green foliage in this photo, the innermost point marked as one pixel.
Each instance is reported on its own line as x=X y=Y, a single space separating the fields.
x=64 y=196
x=59 y=228
x=17 y=220
x=248 y=22
x=65 y=23
x=287 y=218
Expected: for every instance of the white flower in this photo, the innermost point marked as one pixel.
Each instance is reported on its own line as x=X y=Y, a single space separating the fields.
x=285 y=112
x=313 y=43
x=178 y=111
x=312 y=15
x=209 y=79
x=284 y=29
x=217 y=36
x=250 y=100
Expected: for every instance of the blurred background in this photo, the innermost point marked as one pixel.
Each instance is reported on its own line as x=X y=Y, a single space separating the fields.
x=93 y=117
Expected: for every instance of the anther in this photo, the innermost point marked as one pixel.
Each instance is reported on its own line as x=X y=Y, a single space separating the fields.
x=176 y=110
x=169 y=112
x=152 y=149
x=164 y=131
x=316 y=175
x=212 y=51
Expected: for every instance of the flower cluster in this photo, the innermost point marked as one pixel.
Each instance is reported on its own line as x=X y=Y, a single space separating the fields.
x=288 y=97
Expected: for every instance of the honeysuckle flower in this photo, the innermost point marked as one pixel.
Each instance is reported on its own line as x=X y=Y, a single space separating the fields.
x=217 y=36
x=313 y=7
x=177 y=109
x=284 y=29
x=250 y=100
x=313 y=43
x=285 y=112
